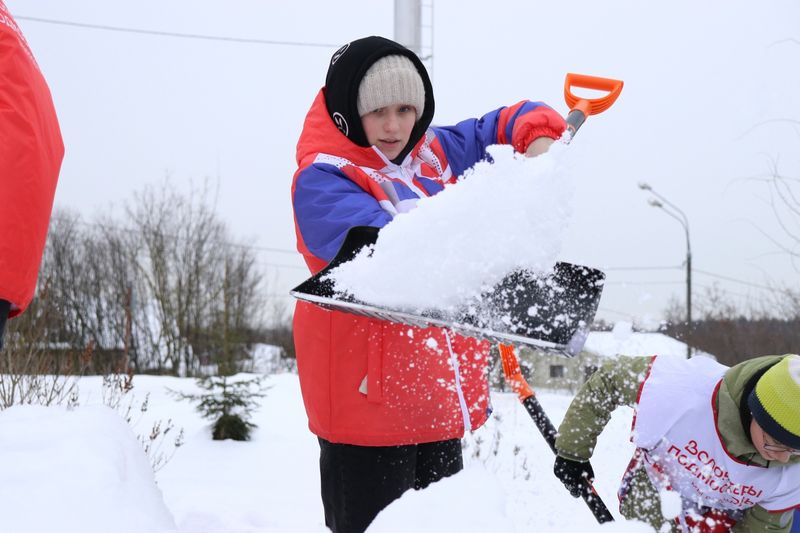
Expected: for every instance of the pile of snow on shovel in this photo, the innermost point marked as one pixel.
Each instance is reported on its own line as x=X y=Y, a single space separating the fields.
x=505 y=213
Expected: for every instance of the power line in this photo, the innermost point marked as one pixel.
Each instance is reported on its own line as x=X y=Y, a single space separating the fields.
x=615 y=312
x=734 y=280
x=267 y=249
x=175 y=34
x=645 y=282
x=699 y=271
x=228 y=243
x=280 y=265
x=218 y=241
x=644 y=268
x=712 y=288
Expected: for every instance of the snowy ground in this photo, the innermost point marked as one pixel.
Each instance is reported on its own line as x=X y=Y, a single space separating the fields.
x=82 y=471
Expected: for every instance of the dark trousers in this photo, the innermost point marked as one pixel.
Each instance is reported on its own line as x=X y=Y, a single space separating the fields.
x=5 y=307
x=359 y=481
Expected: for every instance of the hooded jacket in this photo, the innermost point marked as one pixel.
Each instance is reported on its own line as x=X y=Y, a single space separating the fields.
x=31 y=151
x=370 y=382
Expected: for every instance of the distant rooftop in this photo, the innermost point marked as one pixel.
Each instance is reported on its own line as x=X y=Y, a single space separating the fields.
x=625 y=342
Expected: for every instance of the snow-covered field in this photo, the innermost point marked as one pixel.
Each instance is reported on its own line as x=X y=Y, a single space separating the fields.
x=82 y=471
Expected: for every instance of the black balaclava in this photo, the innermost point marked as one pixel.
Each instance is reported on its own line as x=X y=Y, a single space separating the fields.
x=347 y=68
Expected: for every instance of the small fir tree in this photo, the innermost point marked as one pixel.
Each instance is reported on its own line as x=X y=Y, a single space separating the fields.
x=230 y=403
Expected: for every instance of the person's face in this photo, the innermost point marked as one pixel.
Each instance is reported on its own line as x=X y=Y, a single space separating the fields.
x=767 y=447
x=389 y=128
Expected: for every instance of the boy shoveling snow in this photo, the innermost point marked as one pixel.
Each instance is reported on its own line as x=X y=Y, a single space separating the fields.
x=388 y=402
x=717 y=447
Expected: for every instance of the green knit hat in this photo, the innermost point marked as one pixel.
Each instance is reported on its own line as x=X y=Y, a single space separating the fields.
x=775 y=401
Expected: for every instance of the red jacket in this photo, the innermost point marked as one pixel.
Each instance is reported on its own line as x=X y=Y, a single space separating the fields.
x=31 y=151
x=370 y=382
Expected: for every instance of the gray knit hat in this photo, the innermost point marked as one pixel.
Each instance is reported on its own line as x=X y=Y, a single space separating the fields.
x=393 y=79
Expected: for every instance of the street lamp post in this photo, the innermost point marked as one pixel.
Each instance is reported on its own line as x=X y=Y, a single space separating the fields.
x=684 y=221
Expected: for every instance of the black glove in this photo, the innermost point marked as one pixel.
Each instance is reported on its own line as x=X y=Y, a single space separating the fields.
x=573 y=474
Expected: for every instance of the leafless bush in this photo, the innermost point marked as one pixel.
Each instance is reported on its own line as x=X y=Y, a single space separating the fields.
x=34 y=370
x=160 y=441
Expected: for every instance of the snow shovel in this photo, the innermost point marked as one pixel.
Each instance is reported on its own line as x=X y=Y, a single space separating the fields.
x=579 y=110
x=565 y=300
x=517 y=383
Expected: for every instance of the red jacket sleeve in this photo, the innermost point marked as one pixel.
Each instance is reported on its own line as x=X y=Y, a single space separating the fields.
x=31 y=151
x=528 y=122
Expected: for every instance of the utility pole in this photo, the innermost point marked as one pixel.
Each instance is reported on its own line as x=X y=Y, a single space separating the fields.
x=413 y=28
x=408 y=24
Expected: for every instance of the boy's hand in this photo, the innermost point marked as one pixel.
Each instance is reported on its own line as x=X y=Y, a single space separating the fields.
x=573 y=474
x=539 y=146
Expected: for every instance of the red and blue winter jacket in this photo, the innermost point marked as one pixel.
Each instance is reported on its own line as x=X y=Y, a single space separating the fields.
x=31 y=151
x=371 y=382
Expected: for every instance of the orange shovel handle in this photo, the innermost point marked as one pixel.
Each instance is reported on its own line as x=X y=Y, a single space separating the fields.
x=580 y=108
x=513 y=373
x=518 y=384
x=591 y=106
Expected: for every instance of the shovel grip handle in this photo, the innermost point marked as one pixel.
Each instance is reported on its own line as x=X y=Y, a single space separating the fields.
x=580 y=108
x=591 y=106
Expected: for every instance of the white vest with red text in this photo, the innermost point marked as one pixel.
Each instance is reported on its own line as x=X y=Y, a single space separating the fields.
x=675 y=425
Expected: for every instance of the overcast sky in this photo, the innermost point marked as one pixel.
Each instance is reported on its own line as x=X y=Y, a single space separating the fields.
x=708 y=89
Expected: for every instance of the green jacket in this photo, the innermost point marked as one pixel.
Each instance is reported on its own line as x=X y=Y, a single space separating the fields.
x=618 y=382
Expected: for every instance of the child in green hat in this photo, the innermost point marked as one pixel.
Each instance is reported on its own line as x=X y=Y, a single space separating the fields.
x=725 y=442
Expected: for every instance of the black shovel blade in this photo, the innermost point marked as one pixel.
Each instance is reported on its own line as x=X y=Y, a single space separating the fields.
x=550 y=312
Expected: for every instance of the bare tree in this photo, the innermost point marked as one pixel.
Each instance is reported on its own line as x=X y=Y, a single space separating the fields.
x=198 y=293
x=164 y=289
x=179 y=239
x=86 y=275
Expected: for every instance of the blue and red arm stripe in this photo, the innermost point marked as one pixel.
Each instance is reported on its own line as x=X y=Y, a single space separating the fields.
x=326 y=205
x=464 y=144
x=508 y=117
x=525 y=121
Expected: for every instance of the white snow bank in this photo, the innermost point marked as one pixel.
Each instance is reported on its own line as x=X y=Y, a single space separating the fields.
x=508 y=214
x=476 y=501
x=80 y=471
x=58 y=476
x=471 y=501
x=508 y=484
